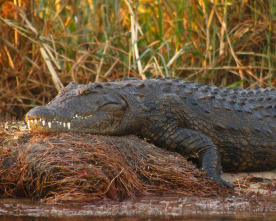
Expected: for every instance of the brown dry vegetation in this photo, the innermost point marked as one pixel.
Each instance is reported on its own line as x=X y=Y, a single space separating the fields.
x=45 y=46
x=83 y=168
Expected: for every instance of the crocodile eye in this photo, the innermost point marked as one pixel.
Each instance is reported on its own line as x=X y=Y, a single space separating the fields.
x=85 y=92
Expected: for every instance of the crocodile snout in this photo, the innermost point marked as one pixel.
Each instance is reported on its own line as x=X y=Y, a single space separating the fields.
x=40 y=113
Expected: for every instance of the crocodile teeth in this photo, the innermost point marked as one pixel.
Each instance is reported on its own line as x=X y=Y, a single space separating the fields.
x=49 y=123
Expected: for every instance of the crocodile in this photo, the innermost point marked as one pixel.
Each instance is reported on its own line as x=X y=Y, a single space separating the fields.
x=227 y=129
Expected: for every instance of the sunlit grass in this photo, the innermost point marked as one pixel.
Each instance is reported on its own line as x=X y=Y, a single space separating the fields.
x=47 y=44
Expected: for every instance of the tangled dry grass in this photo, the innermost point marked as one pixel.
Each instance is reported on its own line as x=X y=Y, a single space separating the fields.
x=70 y=167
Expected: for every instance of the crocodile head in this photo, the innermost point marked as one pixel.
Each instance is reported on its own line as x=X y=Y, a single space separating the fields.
x=93 y=108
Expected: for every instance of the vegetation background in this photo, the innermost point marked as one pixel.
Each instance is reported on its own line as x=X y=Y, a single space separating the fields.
x=45 y=44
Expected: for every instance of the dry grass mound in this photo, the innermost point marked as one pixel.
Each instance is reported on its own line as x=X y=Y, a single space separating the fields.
x=82 y=168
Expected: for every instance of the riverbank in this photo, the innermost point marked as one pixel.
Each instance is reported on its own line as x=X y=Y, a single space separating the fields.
x=110 y=176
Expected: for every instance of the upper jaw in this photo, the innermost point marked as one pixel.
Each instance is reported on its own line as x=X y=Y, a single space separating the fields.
x=45 y=119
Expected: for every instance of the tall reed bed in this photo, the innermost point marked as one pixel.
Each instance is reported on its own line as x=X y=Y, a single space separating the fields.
x=46 y=44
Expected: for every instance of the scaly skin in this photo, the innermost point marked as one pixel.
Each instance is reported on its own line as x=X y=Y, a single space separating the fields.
x=229 y=129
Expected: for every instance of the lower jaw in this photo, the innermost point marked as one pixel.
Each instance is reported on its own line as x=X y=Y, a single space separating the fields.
x=48 y=125
x=76 y=125
x=55 y=127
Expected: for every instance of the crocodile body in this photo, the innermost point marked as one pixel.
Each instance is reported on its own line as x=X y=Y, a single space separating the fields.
x=228 y=129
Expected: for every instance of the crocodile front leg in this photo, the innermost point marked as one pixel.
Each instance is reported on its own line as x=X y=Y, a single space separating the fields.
x=190 y=142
